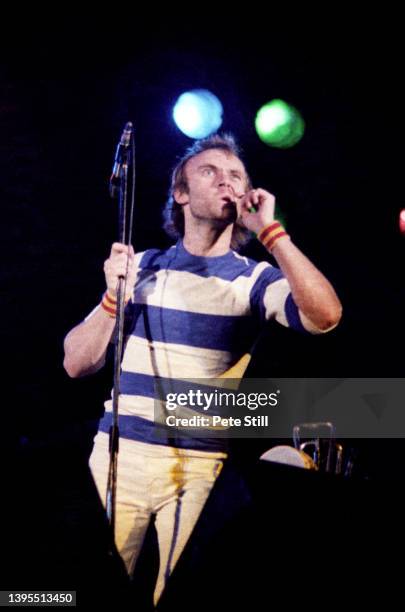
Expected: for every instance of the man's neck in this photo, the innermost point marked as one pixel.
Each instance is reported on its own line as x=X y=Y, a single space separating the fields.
x=208 y=242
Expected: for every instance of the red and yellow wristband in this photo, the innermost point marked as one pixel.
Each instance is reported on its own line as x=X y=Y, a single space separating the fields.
x=270 y=234
x=109 y=304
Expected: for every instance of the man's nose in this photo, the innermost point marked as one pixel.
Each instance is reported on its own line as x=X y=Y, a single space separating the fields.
x=223 y=179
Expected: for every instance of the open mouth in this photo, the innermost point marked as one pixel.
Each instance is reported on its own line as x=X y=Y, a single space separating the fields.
x=228 y=199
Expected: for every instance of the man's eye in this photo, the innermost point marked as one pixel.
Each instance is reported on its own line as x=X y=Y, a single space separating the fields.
x=208 y=171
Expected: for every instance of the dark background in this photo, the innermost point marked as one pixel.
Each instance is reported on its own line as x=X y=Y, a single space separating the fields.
x=66 y=92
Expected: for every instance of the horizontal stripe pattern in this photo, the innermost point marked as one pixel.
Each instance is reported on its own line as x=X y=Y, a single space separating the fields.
x=156 y=387
x=193 y=317
x=215 y=332
x=269 y=297
x=163 y=288
x=141 y=430
x=174 y=360
x=225 y=267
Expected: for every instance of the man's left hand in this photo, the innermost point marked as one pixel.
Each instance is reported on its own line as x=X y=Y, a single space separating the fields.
x=256 y=209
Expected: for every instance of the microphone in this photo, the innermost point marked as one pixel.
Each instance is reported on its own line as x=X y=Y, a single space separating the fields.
x=121 y=156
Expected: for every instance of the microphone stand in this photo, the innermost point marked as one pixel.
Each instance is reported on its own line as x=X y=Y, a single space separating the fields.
x=118 y=186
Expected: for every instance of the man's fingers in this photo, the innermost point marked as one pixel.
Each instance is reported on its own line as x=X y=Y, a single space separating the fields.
x=254 y=199
x=118 y=248
x=118 y=265
x=251 y=198
x=121 y=255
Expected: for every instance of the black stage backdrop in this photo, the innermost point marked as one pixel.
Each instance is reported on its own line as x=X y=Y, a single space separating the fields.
x=66 y=93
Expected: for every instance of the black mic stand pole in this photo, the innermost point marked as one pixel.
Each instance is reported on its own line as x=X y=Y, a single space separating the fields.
x=121 y=190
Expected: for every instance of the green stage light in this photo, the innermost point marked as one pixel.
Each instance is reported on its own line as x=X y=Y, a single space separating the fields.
x=279 y=124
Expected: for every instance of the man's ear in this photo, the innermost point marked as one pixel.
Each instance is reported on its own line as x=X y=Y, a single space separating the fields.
x=181 y=197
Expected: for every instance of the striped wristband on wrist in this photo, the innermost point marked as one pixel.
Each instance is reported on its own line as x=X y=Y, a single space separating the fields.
x=109 y=304
x=270 y=234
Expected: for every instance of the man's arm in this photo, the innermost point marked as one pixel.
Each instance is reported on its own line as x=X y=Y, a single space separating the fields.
x=86 y=344
x=312 y=292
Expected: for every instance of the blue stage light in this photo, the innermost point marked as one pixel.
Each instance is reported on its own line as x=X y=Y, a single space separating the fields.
x=198 y=113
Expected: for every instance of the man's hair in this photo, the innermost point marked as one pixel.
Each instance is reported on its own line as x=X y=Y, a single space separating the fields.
x=173 y=213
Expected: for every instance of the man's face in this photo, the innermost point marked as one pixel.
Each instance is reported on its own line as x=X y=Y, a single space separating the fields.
x=216 y=182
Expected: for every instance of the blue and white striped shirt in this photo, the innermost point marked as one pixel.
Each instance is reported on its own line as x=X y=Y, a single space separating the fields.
x=193 y=317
